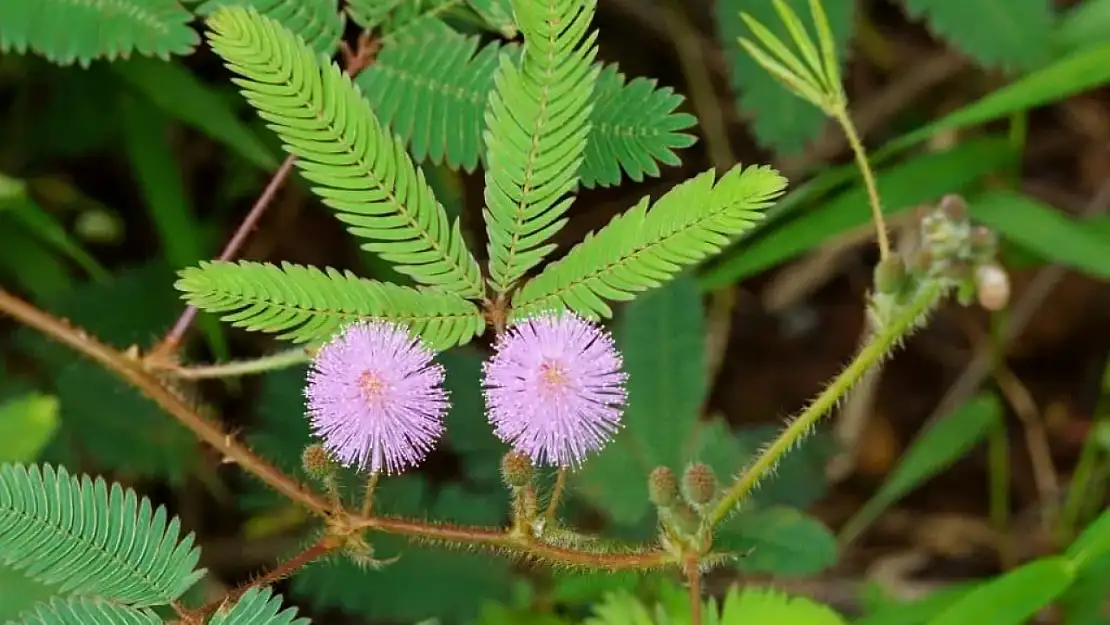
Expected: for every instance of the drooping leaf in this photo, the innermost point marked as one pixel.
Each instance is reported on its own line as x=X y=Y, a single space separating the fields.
x=306 y=304
x=783 y=121
x=68 y=32
x=643 y=248
x=361 y=169
x=1012 y=34
x=91 y=538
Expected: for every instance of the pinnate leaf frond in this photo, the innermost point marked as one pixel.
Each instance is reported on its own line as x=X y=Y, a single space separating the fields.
x=89 y=538
x=69 y=31
x=257 y=606
x=431 y=88
x=79 y=610
x=359 y=168
x=537 y=123
x=318 y=22
x=307 y=304
x=643 y=248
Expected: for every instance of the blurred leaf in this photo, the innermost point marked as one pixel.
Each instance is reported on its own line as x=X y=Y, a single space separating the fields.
x=27 y=424
x=147 y=144
x=180 y=94
x=1092 y=544
x=70 y=121
x=934 y=450
x=920 y=611
x=102 y=416
x=498 y=14
x=924 y=178
x=799 y=478
x=19 y=594
x=1012 y=34
x=1044 y=230
x=1084 y=602
x=1083 y=25
x=1012 y=598
x=662 y=339
x=1076 y=73
x=783 y=541
x=28 y=264
x=468 y=431
x=783 y=121
x=770 y=605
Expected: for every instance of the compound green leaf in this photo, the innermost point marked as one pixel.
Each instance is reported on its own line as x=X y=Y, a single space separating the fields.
x=318 y=22
x=258 y=606
x=78 y=610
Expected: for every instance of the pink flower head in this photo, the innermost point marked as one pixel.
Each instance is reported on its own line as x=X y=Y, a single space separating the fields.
x=554 y=388
x=375 y=397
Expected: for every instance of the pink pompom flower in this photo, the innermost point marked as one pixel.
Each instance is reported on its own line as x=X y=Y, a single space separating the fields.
x=554 y=388
x=375 y=397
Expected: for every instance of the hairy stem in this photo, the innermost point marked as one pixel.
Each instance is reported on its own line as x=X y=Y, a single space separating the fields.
x=880 y=346
x=864 y=165
x=131 y=370
x=284 y=569
x=238 y=368
x=368 y=494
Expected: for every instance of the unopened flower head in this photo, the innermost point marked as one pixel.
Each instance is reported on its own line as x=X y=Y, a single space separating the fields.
x=554 y=388
x=375 y=397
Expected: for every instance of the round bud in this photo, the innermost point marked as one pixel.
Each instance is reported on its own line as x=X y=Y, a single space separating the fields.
x=316 y=461
x=700 y=484
x=993 y=286
x=954 y=206
x=662 y=487
x=516 y=469
x=890 y=275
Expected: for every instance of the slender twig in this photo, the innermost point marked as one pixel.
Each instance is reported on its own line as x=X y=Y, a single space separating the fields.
x=236 y=368
x=884 y=341
x=169 y=344
x=864 y=166
x=321 y=547
x=556 y=494
x=130 y=369
x=354 y=62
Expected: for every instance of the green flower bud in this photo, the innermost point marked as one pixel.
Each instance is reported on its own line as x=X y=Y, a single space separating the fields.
x=516 y=470
x=662 y=487
x=890 y=276
x=317 y=462
x=699 y=484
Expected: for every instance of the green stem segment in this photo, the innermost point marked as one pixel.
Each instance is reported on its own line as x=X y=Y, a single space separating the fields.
x=880 y=346
x=864 y=165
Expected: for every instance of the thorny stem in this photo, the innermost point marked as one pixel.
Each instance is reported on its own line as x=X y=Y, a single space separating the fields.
x=353 y=62
x=845 y=122
x=556 y=494
x=880 y=346
x=321 y=547
x=132 y=370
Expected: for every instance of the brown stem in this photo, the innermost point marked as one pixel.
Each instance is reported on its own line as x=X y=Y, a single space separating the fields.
x=353 y=62
x=169 y=344
x=130 y=369
x=693 y=578
x=321 y=547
